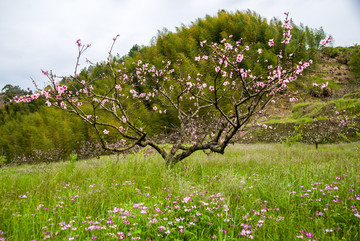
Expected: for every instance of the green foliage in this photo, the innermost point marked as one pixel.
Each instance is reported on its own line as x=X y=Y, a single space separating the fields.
x=27 y=134
x=294 y=137
x=3 y=160
x=73 y=158
x=249 y=27
x=355 y=61
x=334 y=52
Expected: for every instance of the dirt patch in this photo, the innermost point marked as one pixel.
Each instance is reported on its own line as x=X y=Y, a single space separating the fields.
x=334 y=70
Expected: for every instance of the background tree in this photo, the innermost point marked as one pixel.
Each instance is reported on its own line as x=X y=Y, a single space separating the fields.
x=355 y=61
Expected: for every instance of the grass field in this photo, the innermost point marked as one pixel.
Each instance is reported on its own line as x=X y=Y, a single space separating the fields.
x=260 y=192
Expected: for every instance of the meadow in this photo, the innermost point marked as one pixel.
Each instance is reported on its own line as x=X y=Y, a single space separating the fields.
x=259 y=192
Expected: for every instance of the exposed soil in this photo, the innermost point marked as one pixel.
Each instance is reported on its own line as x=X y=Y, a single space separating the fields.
x=334 y=69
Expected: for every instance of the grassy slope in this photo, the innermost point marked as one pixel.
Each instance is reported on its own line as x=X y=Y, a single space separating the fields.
x=278 y=190
x=345 y=93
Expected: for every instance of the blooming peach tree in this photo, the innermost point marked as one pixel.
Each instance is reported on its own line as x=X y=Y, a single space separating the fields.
x=210 y=106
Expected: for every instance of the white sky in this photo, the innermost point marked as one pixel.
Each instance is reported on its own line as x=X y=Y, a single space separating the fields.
x=41 y=34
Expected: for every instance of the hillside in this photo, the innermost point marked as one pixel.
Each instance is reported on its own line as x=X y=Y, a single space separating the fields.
x=342 y=84
x=2 y=101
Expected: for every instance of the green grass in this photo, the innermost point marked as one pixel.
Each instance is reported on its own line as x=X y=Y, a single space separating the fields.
x=307 y=111
x=264 y=192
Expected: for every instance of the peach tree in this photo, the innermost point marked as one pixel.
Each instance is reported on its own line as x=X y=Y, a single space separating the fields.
x=209 y=103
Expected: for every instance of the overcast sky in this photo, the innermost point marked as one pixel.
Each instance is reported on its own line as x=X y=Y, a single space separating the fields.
x=41 y=34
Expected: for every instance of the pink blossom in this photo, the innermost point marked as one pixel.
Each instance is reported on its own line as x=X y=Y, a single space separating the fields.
x=326 y=41
x=271 y=42
x=211 y=88
x=325 y=85
x=106 y=132
x=239 y=58
x=228 y=46
x=45 y=72
x=154 y=108
x=197 y=58
x=217 y=69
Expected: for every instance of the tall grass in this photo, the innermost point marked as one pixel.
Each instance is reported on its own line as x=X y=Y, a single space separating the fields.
x=260 y=192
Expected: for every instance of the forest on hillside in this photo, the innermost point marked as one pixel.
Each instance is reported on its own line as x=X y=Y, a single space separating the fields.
x=32 y=132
